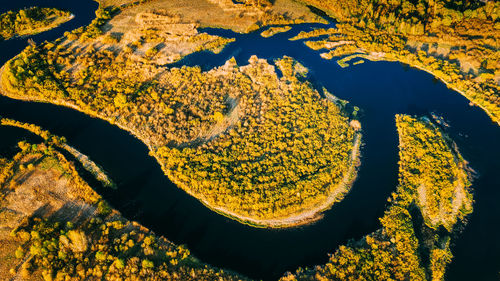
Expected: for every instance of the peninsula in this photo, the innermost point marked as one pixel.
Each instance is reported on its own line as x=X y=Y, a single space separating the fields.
x=31 y=21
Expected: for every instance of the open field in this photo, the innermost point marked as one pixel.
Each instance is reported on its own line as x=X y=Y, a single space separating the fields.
x=220 y=13
x=54 y=226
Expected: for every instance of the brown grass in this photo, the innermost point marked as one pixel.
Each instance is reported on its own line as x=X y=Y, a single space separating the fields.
x=213 y=13
x=45 y=190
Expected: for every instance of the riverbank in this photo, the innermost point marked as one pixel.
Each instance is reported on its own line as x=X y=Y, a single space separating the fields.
x=300 y=217
x=31 y=21
x=421 y=221
x=380 y=56
x=60 y=143
x=461 y=57
x=43 y=199
x=305 y=204
x=451 y=85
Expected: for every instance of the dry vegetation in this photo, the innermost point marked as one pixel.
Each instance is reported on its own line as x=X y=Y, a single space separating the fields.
x=155 y=36
x=31 y=21
x=430 y=166
x=60 y=142
x=53 y=226
x=456 y=41
x=412 y=244
x=271 y=31
x=221 y=135
x=240 y=17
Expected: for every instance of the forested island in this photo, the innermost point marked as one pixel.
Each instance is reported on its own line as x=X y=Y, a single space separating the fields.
x=54 y=226
x=432 y=198
x=31 y=21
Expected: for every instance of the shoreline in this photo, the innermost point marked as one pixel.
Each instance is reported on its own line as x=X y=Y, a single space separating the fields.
x=89 y=165
x=300 y=218
x=449 y=85
x=88 y=208
x=293 y=220
x=55 y=24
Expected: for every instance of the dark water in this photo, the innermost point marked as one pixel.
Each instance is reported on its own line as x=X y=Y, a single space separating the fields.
x=381 y=89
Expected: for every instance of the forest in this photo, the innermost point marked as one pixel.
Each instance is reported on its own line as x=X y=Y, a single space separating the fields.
x=252 y=144
x=289 y=151
x=31 y=21
x=221 y=135
x=103 y=245
x=88 y=245
x=456 y=41
x=411 y=244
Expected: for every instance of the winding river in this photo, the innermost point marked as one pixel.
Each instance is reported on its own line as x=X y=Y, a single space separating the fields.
x=380 y=89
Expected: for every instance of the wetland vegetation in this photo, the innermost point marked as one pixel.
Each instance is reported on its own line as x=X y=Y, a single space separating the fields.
x=31 y=21
x=456 y=41
x=432 y=198
x=257 y=143
x=54 y=226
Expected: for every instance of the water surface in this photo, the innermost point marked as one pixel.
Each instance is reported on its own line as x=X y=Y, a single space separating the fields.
x=380 y=89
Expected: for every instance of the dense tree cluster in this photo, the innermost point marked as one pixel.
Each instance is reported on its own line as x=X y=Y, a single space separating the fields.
x=30 y=21
x=289 y=152
x=238 y=138
x=93 y=30
x=433 y=173
x=105 y=249
x=454 y=40
x=101 y=246
x=405 y=248
x=408 y=17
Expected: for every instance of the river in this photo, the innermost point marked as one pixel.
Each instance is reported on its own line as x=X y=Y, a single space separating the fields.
x=380 y=89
